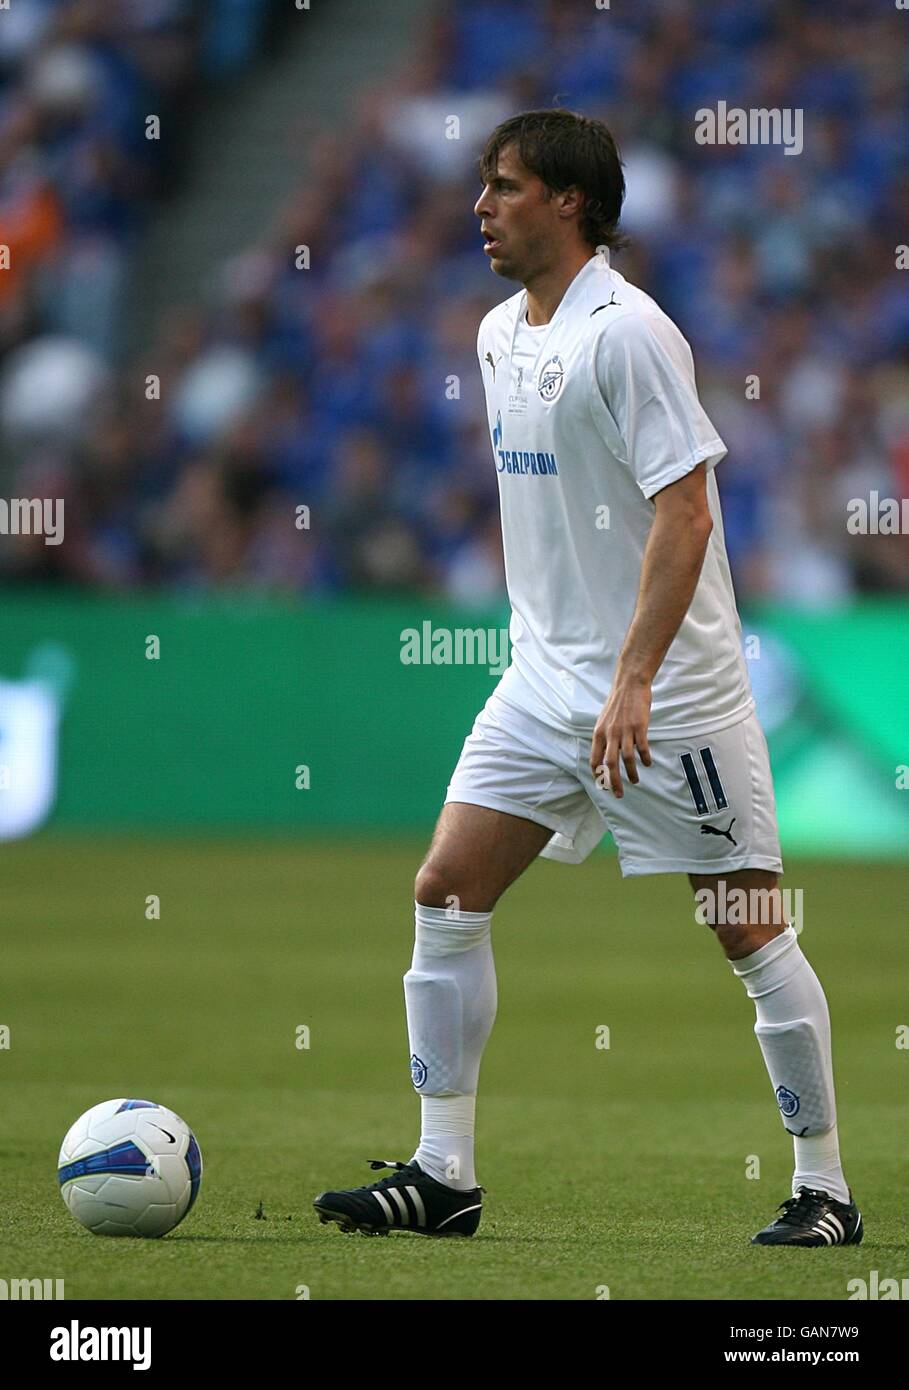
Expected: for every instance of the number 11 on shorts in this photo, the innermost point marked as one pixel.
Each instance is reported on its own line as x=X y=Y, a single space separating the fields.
x=695 y=786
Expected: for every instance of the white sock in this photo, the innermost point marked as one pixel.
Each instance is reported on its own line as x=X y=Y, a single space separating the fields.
x=450 y=994
x=817 y=1164
x=793 y=1029
x=445 y=1150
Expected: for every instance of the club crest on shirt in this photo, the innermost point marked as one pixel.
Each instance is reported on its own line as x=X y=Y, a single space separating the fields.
x=552 y=379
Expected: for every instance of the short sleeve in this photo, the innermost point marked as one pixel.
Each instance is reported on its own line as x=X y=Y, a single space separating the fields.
x=645 y=375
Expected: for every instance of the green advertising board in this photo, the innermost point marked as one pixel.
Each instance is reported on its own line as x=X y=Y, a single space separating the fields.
x=206 y=714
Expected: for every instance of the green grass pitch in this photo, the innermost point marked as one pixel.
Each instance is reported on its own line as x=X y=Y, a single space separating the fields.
x=623 y=1168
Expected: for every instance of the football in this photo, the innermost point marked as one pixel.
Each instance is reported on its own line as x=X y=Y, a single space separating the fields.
x=129 y=1168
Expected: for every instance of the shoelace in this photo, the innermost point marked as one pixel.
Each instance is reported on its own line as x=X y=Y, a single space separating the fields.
x=383 y=1163
x=803 y=1208
x=392 y=1163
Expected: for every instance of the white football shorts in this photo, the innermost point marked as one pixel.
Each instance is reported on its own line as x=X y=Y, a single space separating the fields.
x=705 y=805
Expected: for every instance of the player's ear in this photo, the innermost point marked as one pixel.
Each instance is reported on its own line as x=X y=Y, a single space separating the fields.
x=571 y=201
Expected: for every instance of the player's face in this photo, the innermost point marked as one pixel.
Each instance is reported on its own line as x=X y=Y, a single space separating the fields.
x=517 y=220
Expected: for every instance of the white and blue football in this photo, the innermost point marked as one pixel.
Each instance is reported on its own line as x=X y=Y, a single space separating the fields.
x=129 y=1168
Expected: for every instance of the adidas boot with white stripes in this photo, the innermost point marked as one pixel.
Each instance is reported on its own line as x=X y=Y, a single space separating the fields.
x=812 y=1217
x=408 y=1200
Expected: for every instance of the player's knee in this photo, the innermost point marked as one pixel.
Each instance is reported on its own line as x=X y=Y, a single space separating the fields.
x=734 y=940
x=740 y=941
x=439 y=886
x=436 y=886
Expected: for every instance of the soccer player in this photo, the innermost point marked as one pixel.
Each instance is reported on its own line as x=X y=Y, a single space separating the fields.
x=627 y=705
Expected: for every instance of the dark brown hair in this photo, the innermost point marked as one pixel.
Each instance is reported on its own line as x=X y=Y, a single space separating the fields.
x=565 y=150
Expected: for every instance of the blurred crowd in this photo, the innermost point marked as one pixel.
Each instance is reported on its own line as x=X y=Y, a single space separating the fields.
x=346 y=382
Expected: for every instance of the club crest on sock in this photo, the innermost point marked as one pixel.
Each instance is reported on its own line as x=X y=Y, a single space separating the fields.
x=787 y=1100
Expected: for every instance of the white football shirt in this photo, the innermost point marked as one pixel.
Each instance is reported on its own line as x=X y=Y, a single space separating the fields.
x=590 y=415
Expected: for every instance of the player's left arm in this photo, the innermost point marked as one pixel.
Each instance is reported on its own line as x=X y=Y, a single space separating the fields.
x=671 y=565
x=644 y=373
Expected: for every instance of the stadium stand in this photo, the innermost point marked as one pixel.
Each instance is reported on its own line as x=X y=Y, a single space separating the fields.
x=327 y=386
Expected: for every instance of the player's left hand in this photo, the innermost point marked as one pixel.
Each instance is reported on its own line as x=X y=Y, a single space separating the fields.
x=620 y=730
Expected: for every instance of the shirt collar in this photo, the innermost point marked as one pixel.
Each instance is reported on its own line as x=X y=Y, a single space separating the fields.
x=598 y=261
